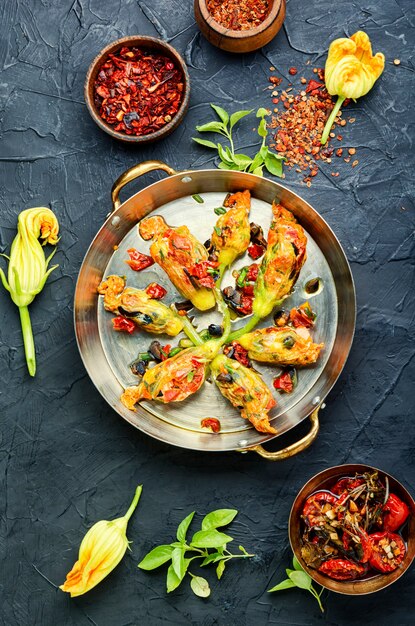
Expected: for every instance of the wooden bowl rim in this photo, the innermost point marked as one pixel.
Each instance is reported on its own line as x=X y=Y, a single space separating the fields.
x=240 y=34
x=139 y=41
x=346 y=469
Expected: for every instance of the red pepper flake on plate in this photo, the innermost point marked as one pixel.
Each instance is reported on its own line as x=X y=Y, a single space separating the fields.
x=138 y=92
x=302 y=316
x=211 y=422
x=138 y=261
x=238 y=14
x=255 y=251
x=287 y=381
x=155 y=291
x=123 y=324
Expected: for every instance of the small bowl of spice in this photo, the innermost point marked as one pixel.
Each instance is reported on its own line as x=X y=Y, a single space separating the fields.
x=239 y=25
x=137 y=89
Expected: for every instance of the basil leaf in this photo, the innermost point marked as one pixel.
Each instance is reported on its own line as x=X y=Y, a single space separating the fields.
x=258 y=171
x=204 y=142
x=212 y=558
x=209 y=539
x=297 y=565
x=242 y=159
x=273 y=163
x=301 y=579
x=285 y=584
x=173 y=581
x=220 y=569
x=183 y=527
x=158 y=556
x=262 y=112
x=242 y=549
x=257 y=161
x=224 y=166
x=221 y=112
x=238 y=115
x=229 y=154
x=177 y=561
x=262 y=128
x=200 y=586
x=218 y=518
x=224 y=155
x=211 y=127
x=264 y=151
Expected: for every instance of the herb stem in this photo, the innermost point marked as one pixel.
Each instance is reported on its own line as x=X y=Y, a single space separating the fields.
x=331 y=119
x=29 y=344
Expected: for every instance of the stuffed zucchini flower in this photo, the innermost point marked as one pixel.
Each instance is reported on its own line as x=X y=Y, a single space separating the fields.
x=28 y=268
x=102 y=548
x=231 y=234
x=351 y=71
x=245 y=390
x=174 y=379
x=147 y=313
x=183 y=258
x=280 y=346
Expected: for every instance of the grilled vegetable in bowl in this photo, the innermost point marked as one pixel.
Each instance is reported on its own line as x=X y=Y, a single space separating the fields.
x=280 y=346
x=183 y=258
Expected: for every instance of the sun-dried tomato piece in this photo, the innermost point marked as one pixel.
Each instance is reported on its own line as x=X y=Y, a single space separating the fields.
x=138 y=261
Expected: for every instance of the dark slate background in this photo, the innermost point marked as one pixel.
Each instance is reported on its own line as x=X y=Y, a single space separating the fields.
x=67 y=460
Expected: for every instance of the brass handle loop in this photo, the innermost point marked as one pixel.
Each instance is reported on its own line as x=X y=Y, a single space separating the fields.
x=294 y=448
x=134 y=172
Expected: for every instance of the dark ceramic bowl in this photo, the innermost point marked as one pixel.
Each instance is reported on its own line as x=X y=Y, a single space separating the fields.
x=152 y=45
x=325 y=480
x=240 y=40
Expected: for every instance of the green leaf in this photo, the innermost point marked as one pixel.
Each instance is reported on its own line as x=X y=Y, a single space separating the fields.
x=211 y=558
x=262 y=128
x=221 y=112
x=288 y=571
x=285 y=584
x=301 y=579
x=156 y=557
x=220 y=569
x=258 y=171
x=225 y=166
x=242 y=159
x=229 y=154
x=209 y=539
x=173 y=581
x=183 y=527
x=242 y=549
x=177 y=561
x=297 y=565
x=262 y=112
x=238 y=115
x=264 y=151
x=200 y=586
x=273 y=163
x=224 y=155
x=211 y=127
x=256 y=162
x=204 y=142
x=218 y=518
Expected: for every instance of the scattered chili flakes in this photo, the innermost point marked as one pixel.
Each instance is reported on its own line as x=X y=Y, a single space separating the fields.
x=238 y=14
x=293 y=71
x=138 y=92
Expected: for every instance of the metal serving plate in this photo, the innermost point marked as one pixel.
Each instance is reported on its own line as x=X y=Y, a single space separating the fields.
x=107 y=354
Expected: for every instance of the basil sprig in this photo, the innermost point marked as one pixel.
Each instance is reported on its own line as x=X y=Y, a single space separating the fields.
x=208 y=544
x=297 y=577
x=229 y=159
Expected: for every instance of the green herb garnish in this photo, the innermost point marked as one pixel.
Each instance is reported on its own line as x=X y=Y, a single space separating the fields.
x=198 y=198
x=297 y=577
x=208 y=544
x=220 y=210
x=229 y=160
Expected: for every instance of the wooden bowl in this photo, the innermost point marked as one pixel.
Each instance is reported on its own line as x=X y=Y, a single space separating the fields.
x=325 y=480
x=147 y=43
x=240 y=40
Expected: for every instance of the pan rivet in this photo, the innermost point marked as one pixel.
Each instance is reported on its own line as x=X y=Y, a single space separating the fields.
x=243 y=442
x=186 y=179
x=316 y=400
x=115 y=221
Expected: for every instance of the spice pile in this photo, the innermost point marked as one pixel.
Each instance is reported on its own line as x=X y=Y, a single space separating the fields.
x=238 y=14
x=300 y=123
x=138 y=92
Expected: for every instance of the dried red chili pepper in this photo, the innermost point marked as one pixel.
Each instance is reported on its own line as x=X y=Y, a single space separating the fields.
x=138 y=92
x=255 y=251
x=293 y=71
x=342 y=569
x=313 y=85
x=156 y=291
x=238 y=14
x=395 y=513
x=212 y=423
x=138 y=261
x=123 y=324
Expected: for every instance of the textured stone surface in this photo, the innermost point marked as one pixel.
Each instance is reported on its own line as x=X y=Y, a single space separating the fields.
x=66 y=458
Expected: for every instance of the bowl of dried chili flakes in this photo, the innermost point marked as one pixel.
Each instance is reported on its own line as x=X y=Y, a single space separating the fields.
x=352 y=529
x=137 y=89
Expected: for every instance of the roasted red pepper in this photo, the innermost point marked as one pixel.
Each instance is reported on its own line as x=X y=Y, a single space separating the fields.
x=123 y=324
x=346 y=484
x=235 y=351
x=204 y=272
x=342 y=569
x=156 y=291
x=252 y=274
x=302 y=316
x=388 y=551
x=314 y=508
x=395 y=513
x=255 y=251
x=212 y=423
x=138 y=261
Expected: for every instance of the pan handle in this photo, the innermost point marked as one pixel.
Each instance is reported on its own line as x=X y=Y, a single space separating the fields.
x=295 y=448
x=133 y=173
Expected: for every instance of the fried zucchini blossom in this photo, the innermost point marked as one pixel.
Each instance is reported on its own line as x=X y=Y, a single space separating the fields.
x=351 y=71
x=183 y=258
x=102 y=548
x=245 y=390
x=28 y=268
x=280 y=346
x=231 y=234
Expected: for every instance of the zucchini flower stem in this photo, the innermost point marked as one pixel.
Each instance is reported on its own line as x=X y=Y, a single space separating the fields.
x=191 y=332
x=250 y=325
x=331 y=119
x=29 y=344
x=134 y=503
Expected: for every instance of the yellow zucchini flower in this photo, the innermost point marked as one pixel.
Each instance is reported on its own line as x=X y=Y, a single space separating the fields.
x=28 y=268
x=351 y=71
x=101 y=550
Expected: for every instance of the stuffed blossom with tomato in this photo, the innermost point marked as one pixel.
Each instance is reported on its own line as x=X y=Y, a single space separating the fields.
x=231 y=234
x=174 y=379
x=245 y=390
x=284 y=257
x=183 y=258
x=280 y=346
